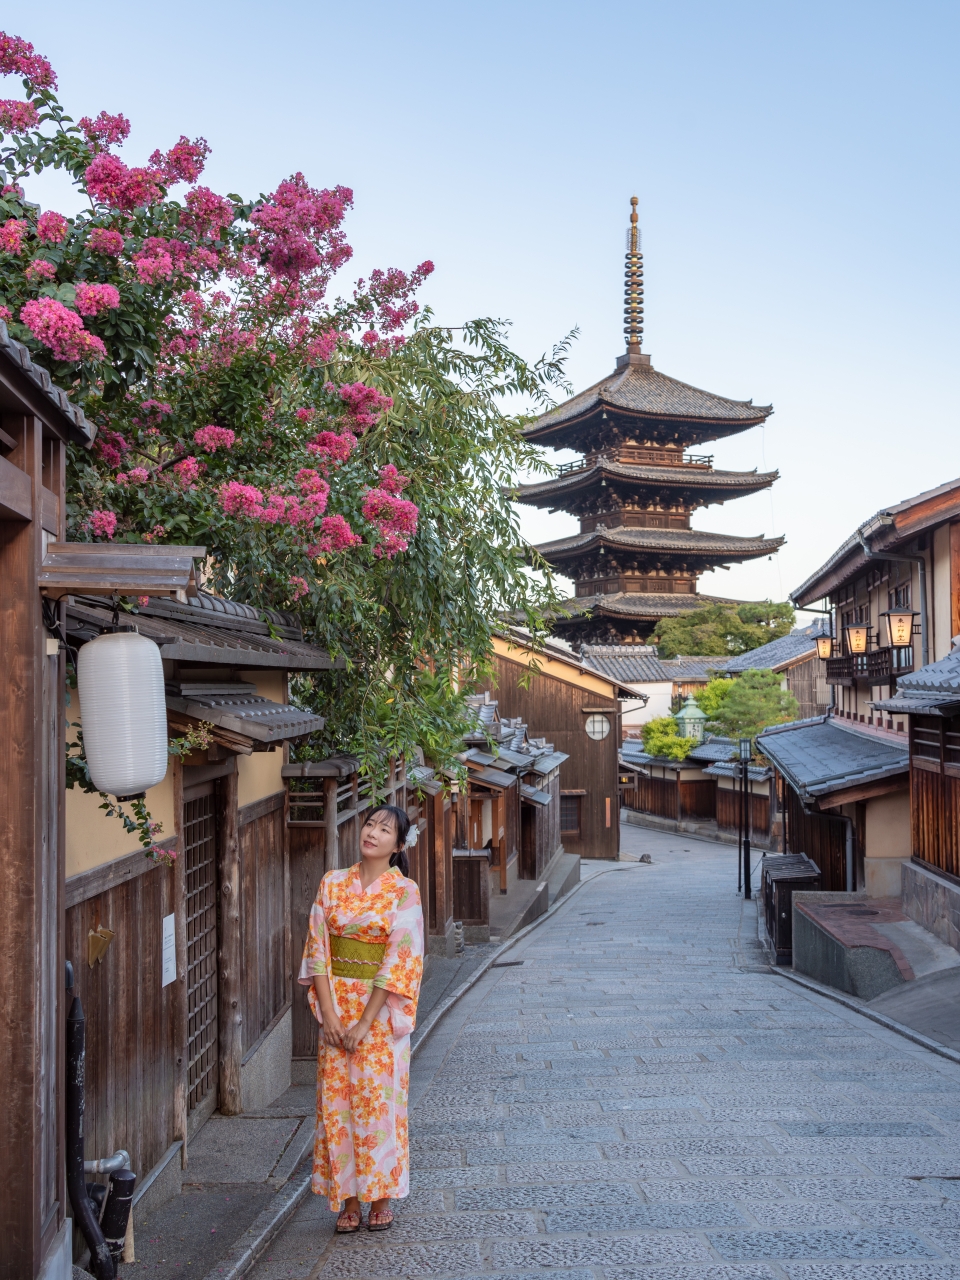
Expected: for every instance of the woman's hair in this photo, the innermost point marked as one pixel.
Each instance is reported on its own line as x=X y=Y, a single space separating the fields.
x=402 y=823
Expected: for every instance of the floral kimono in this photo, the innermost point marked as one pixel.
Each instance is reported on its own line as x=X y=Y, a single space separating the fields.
x=361 y=1147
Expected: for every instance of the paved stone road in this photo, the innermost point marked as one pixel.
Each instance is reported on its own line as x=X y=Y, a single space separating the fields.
x=636 y=1100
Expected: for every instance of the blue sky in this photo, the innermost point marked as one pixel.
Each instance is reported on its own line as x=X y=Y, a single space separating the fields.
x=796 y=166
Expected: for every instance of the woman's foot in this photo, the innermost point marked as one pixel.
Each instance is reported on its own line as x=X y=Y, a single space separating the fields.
x=380 y=1217
x=350 y=1218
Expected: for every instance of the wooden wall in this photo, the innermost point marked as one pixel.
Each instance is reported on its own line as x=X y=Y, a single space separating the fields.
x=698 y=799
x=806 y=682
x=551 y=708
x=539 y=831
x=264 y=919
x=131 y=1050
x=821 y=838
x=935 y=819
x=728 y=812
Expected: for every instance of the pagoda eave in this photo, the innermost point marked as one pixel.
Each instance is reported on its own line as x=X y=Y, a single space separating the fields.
x=696 y=485
x=665 y=543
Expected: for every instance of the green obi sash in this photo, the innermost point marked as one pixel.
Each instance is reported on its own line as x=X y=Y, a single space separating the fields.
x=352 y=958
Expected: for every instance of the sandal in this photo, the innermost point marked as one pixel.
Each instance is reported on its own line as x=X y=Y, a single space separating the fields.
x=380 y=1220
x=349 y=1222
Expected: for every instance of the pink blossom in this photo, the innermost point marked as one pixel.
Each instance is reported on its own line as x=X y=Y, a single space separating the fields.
x=366 y=404
x=395 y=519
x=206 y=212
x=102 y=240
x=17 y=58
x=110 y=446
x=6 y=314
x=121 y=477
x=105 y=130
x=94 y=298
x=61 y=330
x=241 y=499
x=299 y=586
x=392 y=480
x=321 y=348
x=155 y=407
x=305 y=415
x=311 y=482
x=17 y=117
x=102 y=524
x=110 y=182
x=183 y=162
x=204 y=260
x=52 y=227
x=332 y=448
x=150 y=269
x=143 y=601
x=212 y=438
x=139 y=475
x=188 y=471
x=11 y=235
x=39 y=269
x=293 y=219
x=335 y=535
x=157 y=532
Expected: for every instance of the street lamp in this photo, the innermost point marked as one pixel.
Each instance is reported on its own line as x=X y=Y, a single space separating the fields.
x=746 y=751
x=857 y=637
x=900 y=626
x=824 y=646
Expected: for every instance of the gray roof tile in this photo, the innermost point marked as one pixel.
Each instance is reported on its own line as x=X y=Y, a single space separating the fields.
x=819 y=756
x=676 y=541
x=628 y=663
x=800 y=641
x=684 y=477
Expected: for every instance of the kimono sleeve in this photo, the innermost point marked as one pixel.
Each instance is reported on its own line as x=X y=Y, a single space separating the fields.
x=316 y=952
x=402 y=967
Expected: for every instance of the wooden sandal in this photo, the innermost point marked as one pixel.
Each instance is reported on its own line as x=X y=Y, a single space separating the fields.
x=349 y=1222
x=380 y=1219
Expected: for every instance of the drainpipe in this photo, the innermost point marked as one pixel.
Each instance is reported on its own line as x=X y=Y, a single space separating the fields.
x=848 y=850
x=918 y=560
x=84 y=1212
x=116 y=1221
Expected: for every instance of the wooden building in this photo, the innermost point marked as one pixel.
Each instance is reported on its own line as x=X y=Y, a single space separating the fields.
x=636 y=558
x=578 y=710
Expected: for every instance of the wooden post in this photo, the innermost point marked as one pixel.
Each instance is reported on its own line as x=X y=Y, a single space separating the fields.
x=181 y=1030
x=500 y=827
x=229 y=953
x=331 y=853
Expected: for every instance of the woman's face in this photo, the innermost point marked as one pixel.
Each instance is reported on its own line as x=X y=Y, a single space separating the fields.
x=378 y=836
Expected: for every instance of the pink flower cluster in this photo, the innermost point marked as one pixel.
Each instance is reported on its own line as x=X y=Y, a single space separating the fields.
x=188 y=471
x=94 y=298
x=52 y=227
x=61 y=330
x=17 y=58
x=5 y=314
x=152 y=267
x=17 y=117
x=395 y=520
x=238 y=499
x=183 y=162
x=102 y=524
x=299 y=586
x=212 y=438
x=11 y=235
x=102 y=240
x=332 y=449
x=39 y=269
x=136 y=475
x=366 y=405
x=296 y=217
x=335 y=535
x=110 y=446
x=111 y=182
x=206 y=212
x=392 y=480
x=105 y=130
x=321 y=348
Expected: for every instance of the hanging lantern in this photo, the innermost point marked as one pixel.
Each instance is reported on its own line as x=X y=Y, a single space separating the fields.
x=900 y=624
x=824 y=646
x=857 y=637
x=124 y=712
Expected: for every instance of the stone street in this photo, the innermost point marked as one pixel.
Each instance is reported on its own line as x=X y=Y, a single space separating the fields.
x=631 y=1094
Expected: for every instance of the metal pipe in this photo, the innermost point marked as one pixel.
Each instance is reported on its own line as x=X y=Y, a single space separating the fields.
x=848 y=851
x=747 y=886
x=110 y=1164
x=84 y=1213
x=116 y=1213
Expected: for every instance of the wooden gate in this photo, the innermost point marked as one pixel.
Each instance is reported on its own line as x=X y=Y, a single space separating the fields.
x=200 y=870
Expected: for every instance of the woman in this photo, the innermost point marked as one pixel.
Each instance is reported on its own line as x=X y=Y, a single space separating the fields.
x=363 y=962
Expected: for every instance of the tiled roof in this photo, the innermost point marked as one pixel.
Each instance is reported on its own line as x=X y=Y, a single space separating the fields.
x=239 y=709
x=695 y=668
x=685 y=477
x=733 y=769
x=819 y=756
x=933 y=690
x=800 y=641
x=642 y=604
x=629 y=663
x=76 y=423
x=671 y=541
x=636 y=387
x=714 y=750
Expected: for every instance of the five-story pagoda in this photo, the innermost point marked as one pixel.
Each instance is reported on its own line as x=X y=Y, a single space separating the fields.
x=636 y=559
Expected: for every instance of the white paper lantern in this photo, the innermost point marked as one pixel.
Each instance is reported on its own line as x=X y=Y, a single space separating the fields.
x=123 y=711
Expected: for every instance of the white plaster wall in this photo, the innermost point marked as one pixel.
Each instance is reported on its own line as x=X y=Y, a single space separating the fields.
x=888 y=826
x=659 y=694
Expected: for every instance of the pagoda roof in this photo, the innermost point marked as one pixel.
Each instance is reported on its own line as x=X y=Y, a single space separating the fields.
x=637 y=389
x=668 y=541
x=688 y=477
x=639 y=606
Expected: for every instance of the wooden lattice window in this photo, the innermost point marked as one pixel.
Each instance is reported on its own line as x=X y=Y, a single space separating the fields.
x=570 y=815
x=200 y=869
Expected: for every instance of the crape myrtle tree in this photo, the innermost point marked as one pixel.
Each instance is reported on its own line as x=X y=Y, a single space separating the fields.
x=345 y=457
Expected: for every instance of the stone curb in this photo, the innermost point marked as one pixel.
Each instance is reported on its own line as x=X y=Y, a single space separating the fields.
x=262 y=1230
x=907 y=1032
x=445 y=1006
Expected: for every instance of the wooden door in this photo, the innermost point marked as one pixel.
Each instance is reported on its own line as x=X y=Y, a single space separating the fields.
x=200 y=871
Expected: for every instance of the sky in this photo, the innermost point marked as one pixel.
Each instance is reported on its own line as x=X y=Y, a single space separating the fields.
x=796 y=166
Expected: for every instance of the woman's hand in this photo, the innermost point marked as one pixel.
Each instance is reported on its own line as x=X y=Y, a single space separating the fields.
x=333 y=1031
x=353 y=1037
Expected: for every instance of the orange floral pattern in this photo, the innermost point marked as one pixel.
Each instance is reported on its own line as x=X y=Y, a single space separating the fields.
x=361 y=1147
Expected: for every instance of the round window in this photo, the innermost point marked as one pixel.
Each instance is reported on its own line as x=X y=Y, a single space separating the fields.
x=597 y=727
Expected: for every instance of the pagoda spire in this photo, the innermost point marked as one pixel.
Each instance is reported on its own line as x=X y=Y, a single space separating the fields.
x=633 y=285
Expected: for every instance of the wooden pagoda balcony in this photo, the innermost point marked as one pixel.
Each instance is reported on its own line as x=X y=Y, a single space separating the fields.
x=879 y=666
x=630 y=455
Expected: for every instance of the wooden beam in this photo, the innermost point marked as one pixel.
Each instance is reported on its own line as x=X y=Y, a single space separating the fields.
x=230 y=953
x=867 y=791
x=331 y=855
x=16 y=492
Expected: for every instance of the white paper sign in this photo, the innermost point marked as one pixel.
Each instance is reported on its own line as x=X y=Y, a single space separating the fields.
x=169 y=969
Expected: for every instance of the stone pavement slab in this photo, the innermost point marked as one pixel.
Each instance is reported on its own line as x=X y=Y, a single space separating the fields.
x=642 y=1098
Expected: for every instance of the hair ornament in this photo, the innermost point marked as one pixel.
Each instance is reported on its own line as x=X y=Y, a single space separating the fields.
x=413 y=835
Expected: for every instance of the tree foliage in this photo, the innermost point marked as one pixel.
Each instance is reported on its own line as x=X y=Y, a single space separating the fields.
x=711 y=698
x=752 y=701
x=661 y=737
x=723 y=630
x=345 y=457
